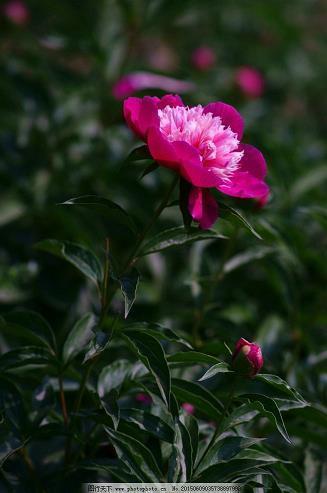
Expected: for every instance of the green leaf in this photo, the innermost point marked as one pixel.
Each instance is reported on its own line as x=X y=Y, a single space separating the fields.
x=193 y=429
x=114 y=375
x=314 y=471
x=111 y=208
x=245 y=257
x=240 y=216
x=181 y=462
x=305 y=183
x=214 y=370
x=149 y=169
x=28 y=355
x=281 y=385
x=97 y=344
x=225 y=449
x=139 y=154
x=136 y=455
x=204 y=401
x=79 y=337
x=81 y=257
x=29 y=323
x=241 y=414
x=110 y=404
x=151 y=354
x=150 y=423
x=192 y=358
x=9 y=445
x=177 y=237
x=128 y=285
x=268 y=408
x=159 y=332
x=229 y=471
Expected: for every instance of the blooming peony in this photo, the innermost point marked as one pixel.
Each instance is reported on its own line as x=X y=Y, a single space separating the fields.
x=203 y=145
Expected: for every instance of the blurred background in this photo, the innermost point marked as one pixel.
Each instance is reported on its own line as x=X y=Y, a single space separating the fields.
x=66 y=68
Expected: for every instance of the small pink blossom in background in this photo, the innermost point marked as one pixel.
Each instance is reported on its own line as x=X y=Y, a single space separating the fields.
x=203 y=145
x=203 y=58
x=17 y=12
x=247 y=358
x=143 y=398
x=138 y=81
x=159 y=55
x=188 y=408
x=250 y=81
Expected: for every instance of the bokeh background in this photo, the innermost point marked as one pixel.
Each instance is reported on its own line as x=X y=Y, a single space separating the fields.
x=62 y=135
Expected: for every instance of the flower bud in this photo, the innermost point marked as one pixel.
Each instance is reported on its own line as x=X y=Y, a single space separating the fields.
x=188 y=408
x=247 y=358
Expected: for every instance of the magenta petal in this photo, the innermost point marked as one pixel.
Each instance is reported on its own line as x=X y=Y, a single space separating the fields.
x=170 y=100
x=245 y=186
x=252 y=161
x=131 y=110
x=181 y=157
x=191 y=168
x=148 y=115
x=203 y=207
x=161 y=150
x=230 y=117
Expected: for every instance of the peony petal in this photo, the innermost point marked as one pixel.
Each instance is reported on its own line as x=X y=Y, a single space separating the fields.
x=191 y=168
x=148 y=115
x=203 y=207
x=161 y=149
x=131 y=110
x=181 y=157
x=170 y=100
x=252 y=161
x=245 y=186
x=230 y=117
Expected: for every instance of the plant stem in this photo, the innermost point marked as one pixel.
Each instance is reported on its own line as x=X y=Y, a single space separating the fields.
x=199 y=314
x=147 y=228
x=63 y=399
x=133 y=255
x=220 y=426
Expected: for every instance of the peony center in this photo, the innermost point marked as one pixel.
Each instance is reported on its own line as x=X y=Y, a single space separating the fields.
x=217 y=144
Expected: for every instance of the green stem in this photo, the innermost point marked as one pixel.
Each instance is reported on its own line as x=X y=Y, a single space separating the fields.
x=63 y=399
x=199 y=313
x=218 y=431
x=133 y=255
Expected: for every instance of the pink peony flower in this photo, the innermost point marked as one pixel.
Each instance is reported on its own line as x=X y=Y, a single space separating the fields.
x=203 y=58
x=250 y=81
x=188 y=408
x=203 y=145
x=138 y=81
x=247 y=358
x=143 y=398
x=17 y=12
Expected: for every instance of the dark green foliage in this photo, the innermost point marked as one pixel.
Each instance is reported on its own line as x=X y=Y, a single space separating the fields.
x=109 y=328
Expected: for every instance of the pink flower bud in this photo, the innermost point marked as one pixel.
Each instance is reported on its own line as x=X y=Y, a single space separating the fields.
x=250 y=81
x=247 y=358
x=17 y=12
x=143 y=398
x=188 y=408
x=203 y=58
